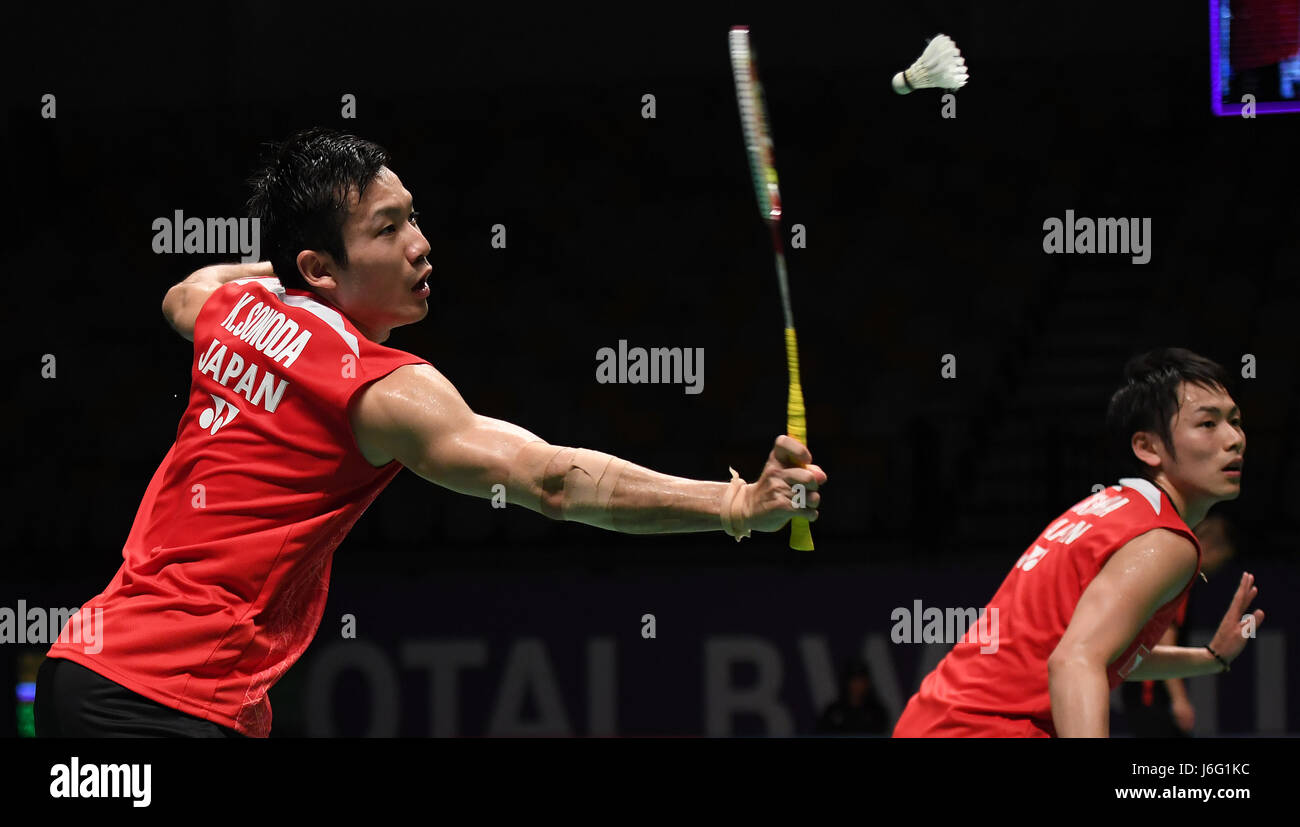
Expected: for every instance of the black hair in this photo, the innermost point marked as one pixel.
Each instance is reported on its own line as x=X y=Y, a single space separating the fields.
x=300 y=195
x=1148 y=399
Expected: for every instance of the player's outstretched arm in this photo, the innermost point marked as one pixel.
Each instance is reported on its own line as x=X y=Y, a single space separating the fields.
x=415 y=415
x=184 y=300
x=1146 y=573
x=1228 y=642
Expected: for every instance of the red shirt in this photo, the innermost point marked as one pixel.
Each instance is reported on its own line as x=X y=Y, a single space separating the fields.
x=226 y=568
x=1003 y=690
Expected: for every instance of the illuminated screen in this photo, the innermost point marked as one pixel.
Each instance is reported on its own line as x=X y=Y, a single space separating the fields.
x=1254 y=46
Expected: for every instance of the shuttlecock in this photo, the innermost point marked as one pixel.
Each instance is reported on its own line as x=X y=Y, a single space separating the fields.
x=941 y=65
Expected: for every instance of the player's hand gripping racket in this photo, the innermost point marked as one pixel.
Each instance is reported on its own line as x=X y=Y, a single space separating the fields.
x=758 y=142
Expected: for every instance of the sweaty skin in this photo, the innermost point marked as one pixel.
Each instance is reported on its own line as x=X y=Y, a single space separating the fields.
x=1152 y=569
x=417 y=417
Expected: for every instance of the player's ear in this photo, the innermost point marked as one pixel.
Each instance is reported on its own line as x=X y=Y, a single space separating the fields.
x=317 y=269
x=1148 y=448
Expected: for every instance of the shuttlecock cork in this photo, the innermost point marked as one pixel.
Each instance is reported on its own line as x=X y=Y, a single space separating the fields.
x=940 y=65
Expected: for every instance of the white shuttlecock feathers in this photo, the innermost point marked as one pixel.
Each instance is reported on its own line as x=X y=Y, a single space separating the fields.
x=940 y=65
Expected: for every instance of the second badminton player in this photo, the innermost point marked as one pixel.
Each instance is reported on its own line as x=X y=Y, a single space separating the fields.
x=1086 y=604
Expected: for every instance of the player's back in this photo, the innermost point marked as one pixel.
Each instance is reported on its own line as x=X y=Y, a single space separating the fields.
x=994 y=682
x=226 y=567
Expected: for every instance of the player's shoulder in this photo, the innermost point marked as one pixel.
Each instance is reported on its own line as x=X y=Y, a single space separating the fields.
x=416 y=380
x=393 y=405
x=1164 y=541
x=1161 y=559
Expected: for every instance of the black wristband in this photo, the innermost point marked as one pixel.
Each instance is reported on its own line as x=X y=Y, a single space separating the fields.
x=1226 y=668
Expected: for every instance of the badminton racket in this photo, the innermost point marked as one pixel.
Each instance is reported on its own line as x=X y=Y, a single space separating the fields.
x=758 y=143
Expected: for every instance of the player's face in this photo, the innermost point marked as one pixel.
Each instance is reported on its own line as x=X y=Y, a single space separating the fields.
x=386 y=260
x=1209 y=442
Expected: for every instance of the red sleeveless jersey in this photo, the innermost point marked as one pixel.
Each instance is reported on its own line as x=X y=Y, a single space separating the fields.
x=226 y=568
x=982 y=689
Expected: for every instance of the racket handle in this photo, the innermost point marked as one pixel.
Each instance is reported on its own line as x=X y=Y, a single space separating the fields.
x=796 y=426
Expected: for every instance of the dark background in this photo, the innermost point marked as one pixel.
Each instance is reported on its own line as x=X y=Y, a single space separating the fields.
x=924 y=238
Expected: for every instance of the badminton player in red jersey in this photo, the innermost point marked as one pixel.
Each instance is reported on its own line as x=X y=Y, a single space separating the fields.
x=298 y=417
x=1084 y=607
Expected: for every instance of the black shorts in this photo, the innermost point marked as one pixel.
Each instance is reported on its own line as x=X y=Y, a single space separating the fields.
x=75 y=702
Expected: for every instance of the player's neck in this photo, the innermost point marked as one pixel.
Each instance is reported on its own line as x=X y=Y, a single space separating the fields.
x=1191 y=511
x=378 y=335
x=374 y=334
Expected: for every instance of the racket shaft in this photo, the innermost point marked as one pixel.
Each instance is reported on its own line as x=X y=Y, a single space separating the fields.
x=796 y=426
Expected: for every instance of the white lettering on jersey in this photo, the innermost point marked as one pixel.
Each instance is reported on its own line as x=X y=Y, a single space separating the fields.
x=1099 y=504
x=1065 y=531
x=290 y=354
x=233 y=368
x=269 y=331
x=213 y=364
x=268 y=393
x=243 y=300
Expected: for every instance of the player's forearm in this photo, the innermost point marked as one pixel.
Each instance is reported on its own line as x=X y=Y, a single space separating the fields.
x=601 y=490
x=178 y=294
x=1175 y=662
x=1177 y=691
x=183 y=297
x=205 y=280
x=648 y=502
x=1080 y=697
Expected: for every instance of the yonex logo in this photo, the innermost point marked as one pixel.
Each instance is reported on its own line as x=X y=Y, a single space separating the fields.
x=1030 y=558
x=213 y=417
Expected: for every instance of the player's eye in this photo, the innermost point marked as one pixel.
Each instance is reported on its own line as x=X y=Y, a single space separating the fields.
x=387 y=229
x=1209 y=422
x=415 y=217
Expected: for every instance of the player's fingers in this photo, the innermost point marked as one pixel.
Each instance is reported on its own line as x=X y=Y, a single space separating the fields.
x=1247 y=585
x=796 y=504
x=817 y=469
x=1241 y=587
x=790 y=452
x=781 y=497
x=800 y=476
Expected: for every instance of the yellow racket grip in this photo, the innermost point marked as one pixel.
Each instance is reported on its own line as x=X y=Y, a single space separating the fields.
x=796 y=426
